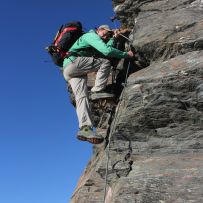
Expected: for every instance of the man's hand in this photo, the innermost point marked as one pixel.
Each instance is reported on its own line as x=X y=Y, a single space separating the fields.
x=130 y=54
x=116 y=33
x=119 y=31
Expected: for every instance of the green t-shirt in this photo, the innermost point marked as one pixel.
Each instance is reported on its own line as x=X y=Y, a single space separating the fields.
x=92 y=39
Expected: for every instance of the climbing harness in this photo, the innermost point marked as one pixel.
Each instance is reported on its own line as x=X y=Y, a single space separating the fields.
x=112 y=130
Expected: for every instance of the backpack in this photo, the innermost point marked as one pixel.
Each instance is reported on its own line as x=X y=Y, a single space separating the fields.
x=64 y=39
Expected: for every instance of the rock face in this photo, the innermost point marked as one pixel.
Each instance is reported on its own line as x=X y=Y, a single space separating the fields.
x=154 y=134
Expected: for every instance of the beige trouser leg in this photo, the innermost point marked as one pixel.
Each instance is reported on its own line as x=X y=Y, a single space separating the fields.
x=76 y=74
x=79 y=88
x=102 y=76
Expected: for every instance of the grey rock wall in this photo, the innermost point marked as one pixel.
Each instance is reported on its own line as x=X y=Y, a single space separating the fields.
x=156 y=149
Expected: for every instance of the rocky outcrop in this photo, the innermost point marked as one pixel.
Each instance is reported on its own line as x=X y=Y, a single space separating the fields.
x=155 y=152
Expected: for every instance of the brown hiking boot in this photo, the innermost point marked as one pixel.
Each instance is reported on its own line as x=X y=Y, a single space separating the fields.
x=86 y=133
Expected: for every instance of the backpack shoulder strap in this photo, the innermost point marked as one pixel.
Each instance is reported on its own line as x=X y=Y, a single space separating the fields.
x=62 y=33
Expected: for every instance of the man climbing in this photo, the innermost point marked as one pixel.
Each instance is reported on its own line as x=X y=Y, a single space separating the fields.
x=89 y=54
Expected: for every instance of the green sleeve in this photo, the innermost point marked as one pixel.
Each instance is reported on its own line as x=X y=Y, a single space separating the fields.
x=110 y=42
x=95 y=41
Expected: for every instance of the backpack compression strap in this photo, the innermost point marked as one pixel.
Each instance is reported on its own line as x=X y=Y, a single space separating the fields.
x=62 y=33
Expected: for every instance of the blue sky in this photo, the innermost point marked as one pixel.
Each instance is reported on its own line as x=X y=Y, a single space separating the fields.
x=40 y=158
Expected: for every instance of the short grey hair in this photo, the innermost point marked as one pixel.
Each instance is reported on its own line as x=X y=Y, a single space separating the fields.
x=105 y=27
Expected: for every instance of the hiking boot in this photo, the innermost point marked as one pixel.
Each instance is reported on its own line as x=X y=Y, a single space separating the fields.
x=101 y=95
x=86 y=133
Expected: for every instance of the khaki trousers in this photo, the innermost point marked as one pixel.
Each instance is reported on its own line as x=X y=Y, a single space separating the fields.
x=76 y=74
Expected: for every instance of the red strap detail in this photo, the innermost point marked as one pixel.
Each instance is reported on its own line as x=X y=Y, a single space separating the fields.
x=62 y=33
x=63 y=54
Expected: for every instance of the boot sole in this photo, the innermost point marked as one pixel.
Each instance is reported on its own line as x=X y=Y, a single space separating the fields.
x=90 y=140
x=101 y=96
